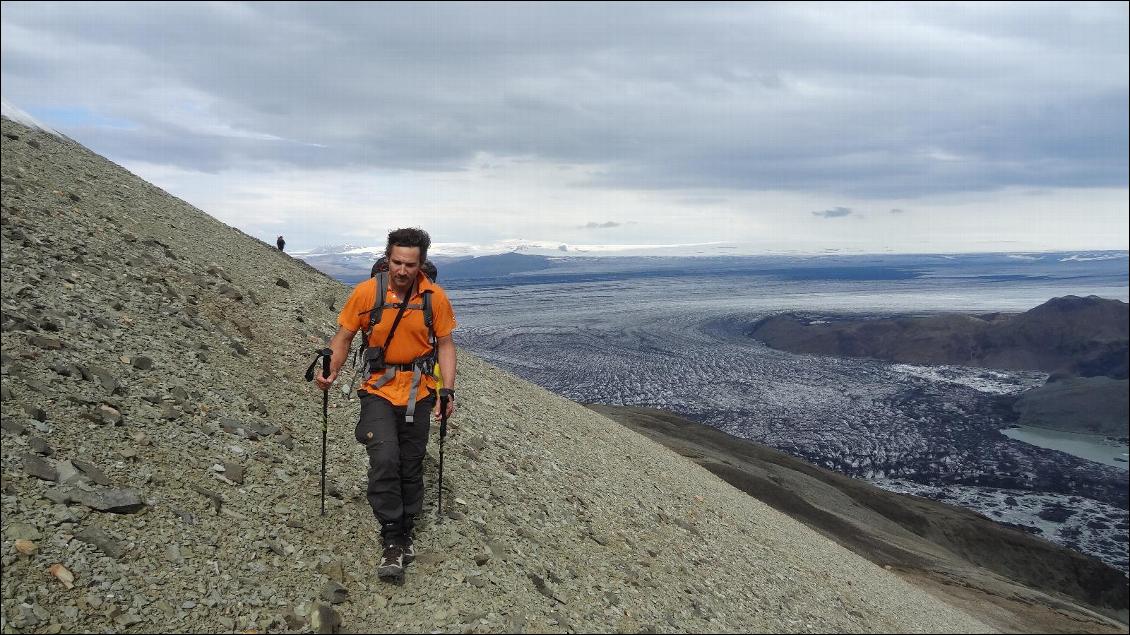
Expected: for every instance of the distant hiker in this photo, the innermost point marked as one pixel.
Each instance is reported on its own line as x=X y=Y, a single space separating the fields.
x=280 y=242
x=403 y=336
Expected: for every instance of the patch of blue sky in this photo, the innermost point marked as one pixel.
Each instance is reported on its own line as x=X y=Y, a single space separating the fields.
x=74 y=116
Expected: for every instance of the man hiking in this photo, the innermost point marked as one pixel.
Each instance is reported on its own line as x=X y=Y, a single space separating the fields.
x=399 y=391
x=280 y=243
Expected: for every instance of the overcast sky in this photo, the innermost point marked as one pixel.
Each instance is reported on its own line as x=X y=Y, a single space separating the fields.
x=861 y=127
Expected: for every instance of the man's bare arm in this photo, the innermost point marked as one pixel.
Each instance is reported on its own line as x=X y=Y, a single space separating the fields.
x=446 y=348
x=446 y=353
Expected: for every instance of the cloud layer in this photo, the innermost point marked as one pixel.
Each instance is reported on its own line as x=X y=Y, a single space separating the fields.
x=881 y=100
x=710 y=102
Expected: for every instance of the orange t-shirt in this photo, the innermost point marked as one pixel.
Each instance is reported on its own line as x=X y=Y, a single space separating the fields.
x=411 y=338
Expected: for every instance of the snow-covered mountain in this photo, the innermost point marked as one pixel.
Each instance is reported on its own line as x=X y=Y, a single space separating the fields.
x=542 y=248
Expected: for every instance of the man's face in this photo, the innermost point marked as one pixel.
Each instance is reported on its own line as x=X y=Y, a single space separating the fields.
x=403 y=265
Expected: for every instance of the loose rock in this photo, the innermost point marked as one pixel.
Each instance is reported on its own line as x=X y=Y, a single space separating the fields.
x=100 y=539
x=40 y=468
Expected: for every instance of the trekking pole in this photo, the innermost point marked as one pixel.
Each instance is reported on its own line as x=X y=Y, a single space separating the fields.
x=442 y=436
x=325 y=354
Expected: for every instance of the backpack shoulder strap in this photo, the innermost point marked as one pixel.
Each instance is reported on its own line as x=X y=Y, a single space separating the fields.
x=427 y=299
x=378 y=299
x=375 y=314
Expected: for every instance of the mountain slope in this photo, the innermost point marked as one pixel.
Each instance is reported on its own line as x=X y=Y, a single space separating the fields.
x=1036 y=585
x=161 y=458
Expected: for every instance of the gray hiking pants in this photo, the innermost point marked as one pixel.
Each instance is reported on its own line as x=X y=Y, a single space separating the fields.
x=396 y=461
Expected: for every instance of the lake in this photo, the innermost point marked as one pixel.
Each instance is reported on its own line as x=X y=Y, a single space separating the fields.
x=1092 y=447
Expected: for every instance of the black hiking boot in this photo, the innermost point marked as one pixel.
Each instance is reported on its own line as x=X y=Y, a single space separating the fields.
x=391 y=568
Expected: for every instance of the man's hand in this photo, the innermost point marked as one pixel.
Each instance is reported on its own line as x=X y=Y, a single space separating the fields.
x=325 y=382
x=452 y=426
x=340 y=347
x=450 y=407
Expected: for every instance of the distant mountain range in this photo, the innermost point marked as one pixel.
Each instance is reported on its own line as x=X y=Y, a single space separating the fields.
x=493 y=266
x=352 y=264
x=555 y=248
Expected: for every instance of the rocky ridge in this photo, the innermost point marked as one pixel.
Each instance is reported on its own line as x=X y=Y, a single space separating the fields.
x=161 y=461
x=1068 y=336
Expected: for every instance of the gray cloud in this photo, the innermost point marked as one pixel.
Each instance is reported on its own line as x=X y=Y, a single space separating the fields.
x=896 y=210
x=835 y=212
x=595 y=225
x=900 y=101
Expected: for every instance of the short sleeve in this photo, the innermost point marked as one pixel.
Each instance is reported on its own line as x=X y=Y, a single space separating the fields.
x=443 y=315
x=360 y=302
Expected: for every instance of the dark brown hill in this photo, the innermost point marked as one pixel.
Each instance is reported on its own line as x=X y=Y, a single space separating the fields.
x=1088 y=405
x=1073 y=336
x=1081 y=341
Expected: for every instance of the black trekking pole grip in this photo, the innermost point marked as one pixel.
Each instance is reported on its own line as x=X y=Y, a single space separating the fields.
x=442 y=435
x=442 y=418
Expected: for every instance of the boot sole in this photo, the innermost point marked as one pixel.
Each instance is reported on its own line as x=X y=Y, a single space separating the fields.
x=390 y=575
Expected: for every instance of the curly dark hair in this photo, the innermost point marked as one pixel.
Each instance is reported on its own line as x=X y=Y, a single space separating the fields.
x=409 y=237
